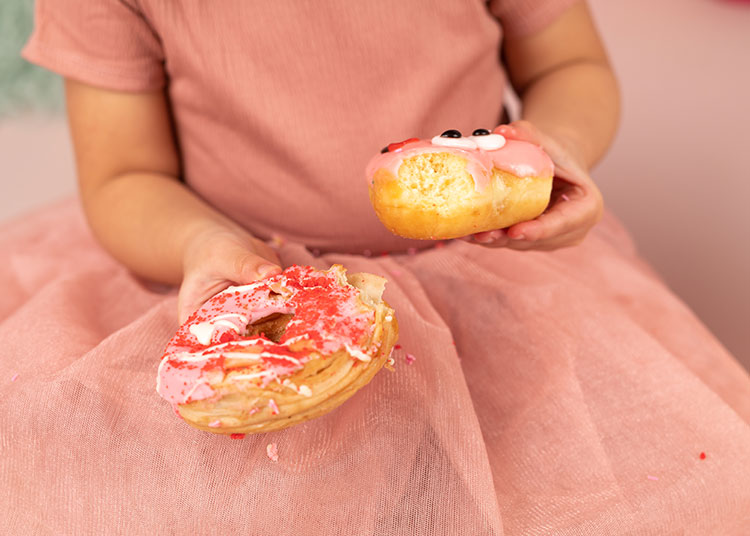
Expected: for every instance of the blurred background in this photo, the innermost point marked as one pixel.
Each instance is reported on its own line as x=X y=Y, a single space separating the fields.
x=678 y=174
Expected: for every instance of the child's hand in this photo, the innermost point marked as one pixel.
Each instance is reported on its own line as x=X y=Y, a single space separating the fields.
x=216 y=259
x=575 y=207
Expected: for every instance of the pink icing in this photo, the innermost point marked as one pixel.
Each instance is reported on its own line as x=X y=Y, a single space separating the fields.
x=326 y=313
x=521 y=158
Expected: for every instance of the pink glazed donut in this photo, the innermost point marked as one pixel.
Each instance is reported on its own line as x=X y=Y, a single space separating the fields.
x=453 y=186
x=279 y=351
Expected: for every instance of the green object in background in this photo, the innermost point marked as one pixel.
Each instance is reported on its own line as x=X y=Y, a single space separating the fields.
x=23 y=87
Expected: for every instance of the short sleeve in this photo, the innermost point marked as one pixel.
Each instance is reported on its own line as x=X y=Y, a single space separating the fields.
x=105 y=43
x=523 y=17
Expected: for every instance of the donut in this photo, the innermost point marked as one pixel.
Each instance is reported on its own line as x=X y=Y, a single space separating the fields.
x=279 y=351
x=455 y=185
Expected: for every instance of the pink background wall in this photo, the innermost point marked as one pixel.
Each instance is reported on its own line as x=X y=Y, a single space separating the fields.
x=677 y=174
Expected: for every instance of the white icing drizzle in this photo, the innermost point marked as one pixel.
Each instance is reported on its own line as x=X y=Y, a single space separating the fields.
x=489 y=142
x=261 y=374
x=241 y=355
x=203 y=331
x=356 y=352
x=200 y=382
x=303 y=390
x=459 y=143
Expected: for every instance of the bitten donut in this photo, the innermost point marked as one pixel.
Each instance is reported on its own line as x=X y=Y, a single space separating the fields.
x=279 y=351
x=453 y=186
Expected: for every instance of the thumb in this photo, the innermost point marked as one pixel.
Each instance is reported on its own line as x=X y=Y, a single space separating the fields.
x=231 y=265
x=519 y=130
x=246 y=267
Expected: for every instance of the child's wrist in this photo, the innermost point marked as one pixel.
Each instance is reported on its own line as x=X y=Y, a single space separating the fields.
x=568 y=139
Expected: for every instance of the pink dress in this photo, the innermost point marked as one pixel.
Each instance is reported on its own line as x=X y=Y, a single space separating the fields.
x=564 y=393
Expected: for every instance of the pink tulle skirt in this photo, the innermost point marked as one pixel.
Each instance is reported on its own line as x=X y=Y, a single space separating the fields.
x=565 y=393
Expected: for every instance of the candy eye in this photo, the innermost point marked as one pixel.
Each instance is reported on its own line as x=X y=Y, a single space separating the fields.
x=480 y=132
x=458 y=143
x=453 y=133
x=488 y=142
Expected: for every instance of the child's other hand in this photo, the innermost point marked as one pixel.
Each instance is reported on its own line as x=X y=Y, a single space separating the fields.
x=217 y=259
x=575 y=207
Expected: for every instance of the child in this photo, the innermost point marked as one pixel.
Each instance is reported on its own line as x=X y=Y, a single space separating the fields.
x=560 y=391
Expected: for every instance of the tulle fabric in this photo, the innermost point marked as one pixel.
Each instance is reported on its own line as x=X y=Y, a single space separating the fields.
x=565 y=393
x=549 y=393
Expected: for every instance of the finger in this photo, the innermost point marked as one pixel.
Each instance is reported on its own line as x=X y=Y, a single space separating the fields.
x=248 y=267
x=581 y=209
x=239 y=264
x=557 y=242
x=194 y=293
x=519 y=130
x=244 y=268
x=497 y=240
x=487 y=236
x=567 y=240
x=266 y=251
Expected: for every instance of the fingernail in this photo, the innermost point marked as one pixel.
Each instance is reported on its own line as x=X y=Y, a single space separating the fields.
x=518 y=237
x=265 y=270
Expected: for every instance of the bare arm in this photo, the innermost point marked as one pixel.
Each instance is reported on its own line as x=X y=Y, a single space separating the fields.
x=138 y=209
x=570 y=106
x=566 y=84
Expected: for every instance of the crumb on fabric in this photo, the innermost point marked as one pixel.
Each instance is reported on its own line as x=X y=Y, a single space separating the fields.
x=272 y=451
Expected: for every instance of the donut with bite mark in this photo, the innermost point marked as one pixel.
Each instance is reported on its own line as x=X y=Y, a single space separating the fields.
x=453 y=186
x=279 y=351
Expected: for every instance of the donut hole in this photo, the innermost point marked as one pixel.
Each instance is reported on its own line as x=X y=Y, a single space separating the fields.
x=272 y=326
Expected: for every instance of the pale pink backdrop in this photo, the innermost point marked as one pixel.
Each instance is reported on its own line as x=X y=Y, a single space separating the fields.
x=677 y=174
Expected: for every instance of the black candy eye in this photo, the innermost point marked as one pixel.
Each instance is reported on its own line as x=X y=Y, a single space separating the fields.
x=481 y=132
x=452 y=133
x=384 y=150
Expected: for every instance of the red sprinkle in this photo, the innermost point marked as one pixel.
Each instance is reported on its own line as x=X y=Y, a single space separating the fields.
x=703 y=456
x=237 y=436
x=396 y=146
x=397 y=347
